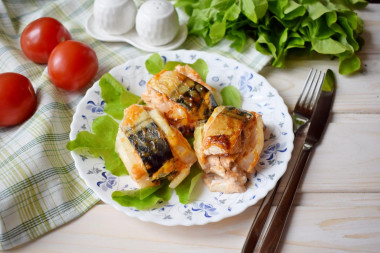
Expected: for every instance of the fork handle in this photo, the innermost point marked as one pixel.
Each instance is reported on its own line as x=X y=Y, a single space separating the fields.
x=276 y=227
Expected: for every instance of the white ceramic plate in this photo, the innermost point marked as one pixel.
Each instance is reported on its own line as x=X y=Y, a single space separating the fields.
x=206 y=206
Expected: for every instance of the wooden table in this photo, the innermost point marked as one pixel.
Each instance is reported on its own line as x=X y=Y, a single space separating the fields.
x=337 y=208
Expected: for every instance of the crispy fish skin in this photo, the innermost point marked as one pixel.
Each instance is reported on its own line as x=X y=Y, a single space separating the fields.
x=188 y=71
x=142 y=146
x=150 y=149
x=182 y=97
x=228 y=147
x=184 y=155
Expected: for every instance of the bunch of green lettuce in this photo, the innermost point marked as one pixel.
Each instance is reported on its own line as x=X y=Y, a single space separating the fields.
x=328 y=27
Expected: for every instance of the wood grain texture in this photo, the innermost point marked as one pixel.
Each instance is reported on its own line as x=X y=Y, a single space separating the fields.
x=345 y=160
x=359 y=93
x=332 y=228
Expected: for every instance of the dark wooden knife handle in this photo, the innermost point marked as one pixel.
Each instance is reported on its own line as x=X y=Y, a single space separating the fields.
x=276 y=227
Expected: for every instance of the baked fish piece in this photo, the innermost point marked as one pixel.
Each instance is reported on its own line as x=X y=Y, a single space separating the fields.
x=182 y=97
x=151 y=149
x=228 y=147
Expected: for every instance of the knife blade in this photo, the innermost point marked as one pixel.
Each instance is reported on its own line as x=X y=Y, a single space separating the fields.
x=317 y=126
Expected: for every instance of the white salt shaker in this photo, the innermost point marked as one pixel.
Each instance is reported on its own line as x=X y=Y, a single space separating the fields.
x=157 y=22
x=115 y=16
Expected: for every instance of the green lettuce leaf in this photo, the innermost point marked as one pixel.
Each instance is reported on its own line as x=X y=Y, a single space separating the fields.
x=231 y=96
x=232 y=12
x=116 y=97
x=144 y=198
x=127 y=99
x=217 y=31
x=254 y=9
x=348 y=64
x=186 y=187
x=100 y=143
x=156 y=64
x=238 y=36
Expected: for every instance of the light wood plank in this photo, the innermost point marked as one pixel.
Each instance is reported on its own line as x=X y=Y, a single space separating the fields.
x=311 y=229
x=335 y=199
x=358 y=93
x=322 y=229
x=349 y=118
x=371 y=33
x=104 y=229
x=346 y=160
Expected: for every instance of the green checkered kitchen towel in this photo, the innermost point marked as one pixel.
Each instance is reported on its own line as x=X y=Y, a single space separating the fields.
x=40 y=188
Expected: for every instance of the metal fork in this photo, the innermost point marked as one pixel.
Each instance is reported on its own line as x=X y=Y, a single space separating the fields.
x=301 y=117
x=305 y=105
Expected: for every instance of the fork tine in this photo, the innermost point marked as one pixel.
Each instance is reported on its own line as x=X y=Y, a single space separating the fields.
x=310 y=91
x=316 y=85
x=304 y=107
x=306 y=86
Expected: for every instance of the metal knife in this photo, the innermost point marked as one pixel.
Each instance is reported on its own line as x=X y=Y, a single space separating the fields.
x=317 y=126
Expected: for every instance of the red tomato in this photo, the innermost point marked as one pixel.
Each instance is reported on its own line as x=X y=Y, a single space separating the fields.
x=72 y=65
x=41 y=36
x=17 y=99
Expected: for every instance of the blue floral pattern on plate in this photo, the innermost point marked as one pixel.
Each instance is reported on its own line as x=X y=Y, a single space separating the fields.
x=108 y=182
x=207 y=206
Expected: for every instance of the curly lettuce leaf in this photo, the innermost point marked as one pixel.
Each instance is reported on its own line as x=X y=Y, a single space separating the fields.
x=254 y=9
x=231 y=96
x=143 y=198
x=148 y=197
x=186 y=187
x=356 y=4
x=116 y=97
x=155 y=63
x=100 y=143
